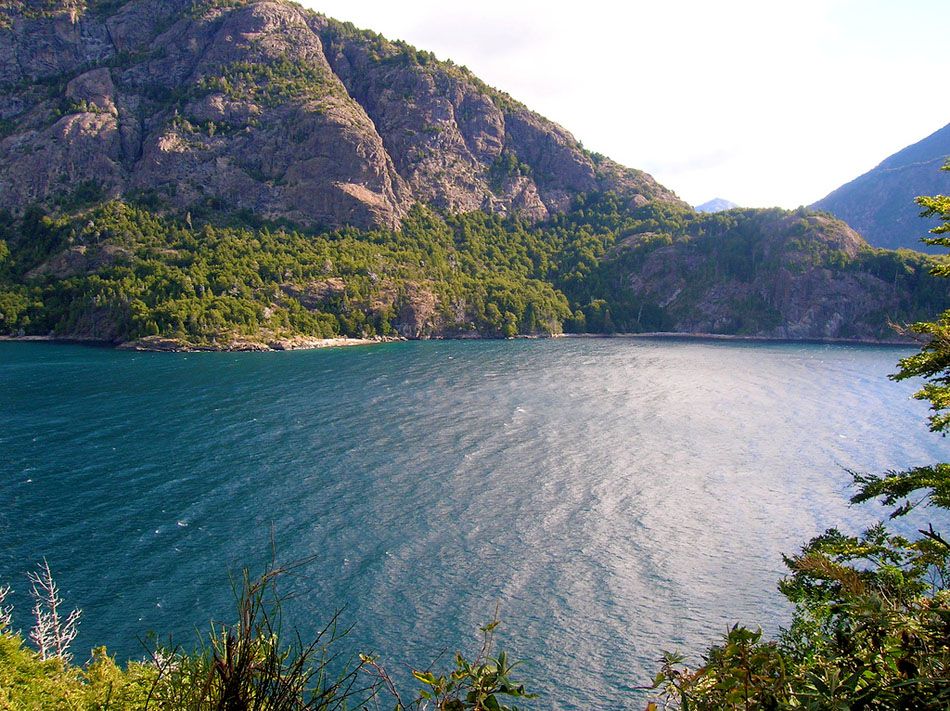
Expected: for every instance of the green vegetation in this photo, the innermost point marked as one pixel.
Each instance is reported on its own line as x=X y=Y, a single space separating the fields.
x=200 y=7
x=506 y=167
x=118 y=271
x=252 y=664
x=28 y=682
x=933 y=362
x=34 y=9
x=871 y=628
x=272 y=83
x=37 y=9
x=602 y=243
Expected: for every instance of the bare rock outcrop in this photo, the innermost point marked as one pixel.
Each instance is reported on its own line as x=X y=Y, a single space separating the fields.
x=262 y=105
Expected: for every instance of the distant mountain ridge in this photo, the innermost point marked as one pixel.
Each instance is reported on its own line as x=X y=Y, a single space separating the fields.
x=880 y=204
x=716 y=205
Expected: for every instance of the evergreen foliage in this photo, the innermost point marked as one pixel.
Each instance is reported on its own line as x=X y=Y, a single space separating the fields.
x=146 y=275
x=118 y=271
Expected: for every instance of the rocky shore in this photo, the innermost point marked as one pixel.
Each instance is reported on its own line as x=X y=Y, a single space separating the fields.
x=292 y=343
x=178 y=345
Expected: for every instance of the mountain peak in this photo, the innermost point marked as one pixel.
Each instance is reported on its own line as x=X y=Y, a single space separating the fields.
x=716 y=205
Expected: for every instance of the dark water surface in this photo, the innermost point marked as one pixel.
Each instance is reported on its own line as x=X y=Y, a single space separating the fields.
x=616 y=497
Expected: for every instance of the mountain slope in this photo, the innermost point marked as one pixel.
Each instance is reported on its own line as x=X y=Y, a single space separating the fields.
x=244 y=173
x=768 y=273
x=267 y=107
x=880 y=204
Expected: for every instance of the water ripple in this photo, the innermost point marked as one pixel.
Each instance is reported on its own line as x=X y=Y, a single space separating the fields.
x=617 y=498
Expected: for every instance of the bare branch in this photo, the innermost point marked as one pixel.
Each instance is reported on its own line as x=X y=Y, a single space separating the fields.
x=51 y=634
x=930 y=533
x=6 y=611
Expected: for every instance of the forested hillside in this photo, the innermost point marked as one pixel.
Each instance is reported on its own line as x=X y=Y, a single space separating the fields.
x=117 y=272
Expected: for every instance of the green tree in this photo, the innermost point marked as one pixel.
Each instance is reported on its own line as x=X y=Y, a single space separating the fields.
x=931 y=484
x=510 y=328
x=933 y=361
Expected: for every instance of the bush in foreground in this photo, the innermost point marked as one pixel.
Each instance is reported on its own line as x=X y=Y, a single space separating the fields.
x=253 y=664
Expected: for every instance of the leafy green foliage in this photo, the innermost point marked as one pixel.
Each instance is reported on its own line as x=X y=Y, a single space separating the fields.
x=933 y=361
x=201 y=7
x=870 y=631
x=27 y=682
x=930 y=483
x=35 y=9
x=741 y=673
x=39 y=9
x=130 y=273
x=602 y=241
x=255 y=664
x=506 y=167
x=477 y=685
x=250 y=665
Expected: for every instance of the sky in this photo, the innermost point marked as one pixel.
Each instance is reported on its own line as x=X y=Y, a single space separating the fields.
x=759 y=102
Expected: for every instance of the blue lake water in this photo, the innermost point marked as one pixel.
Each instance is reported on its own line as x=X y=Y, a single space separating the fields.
x=615 y=497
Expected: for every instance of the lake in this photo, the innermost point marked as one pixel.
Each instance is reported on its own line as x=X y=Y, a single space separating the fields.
x=615 y=497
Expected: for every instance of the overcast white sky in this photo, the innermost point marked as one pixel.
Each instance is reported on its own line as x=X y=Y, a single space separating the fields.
x=759 y=102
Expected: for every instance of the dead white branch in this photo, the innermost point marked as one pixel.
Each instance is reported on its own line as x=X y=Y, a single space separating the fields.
x=51 y=634
x=6 y=611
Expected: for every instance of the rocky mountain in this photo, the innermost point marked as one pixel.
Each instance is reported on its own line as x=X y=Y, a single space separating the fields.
x=716 y=205
x=267 y=107
x=773 y=273
x=248 y=173
x=880 y=204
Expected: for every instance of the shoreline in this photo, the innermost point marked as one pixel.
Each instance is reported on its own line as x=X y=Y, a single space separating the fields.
x=159 y=344
x=674 y=335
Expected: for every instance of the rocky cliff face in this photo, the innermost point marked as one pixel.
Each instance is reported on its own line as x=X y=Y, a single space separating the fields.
x=880 y=204
x=261 y=105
